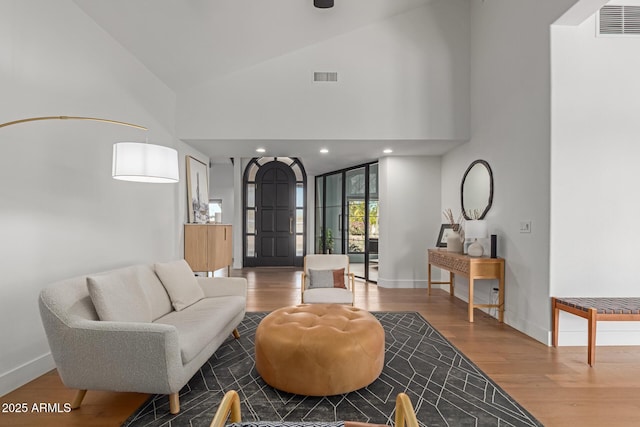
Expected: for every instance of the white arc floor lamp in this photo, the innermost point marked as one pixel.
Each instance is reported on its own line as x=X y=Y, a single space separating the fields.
x=132 y=161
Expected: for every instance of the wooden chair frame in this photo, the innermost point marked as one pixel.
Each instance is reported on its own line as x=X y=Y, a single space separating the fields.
x=229 y=411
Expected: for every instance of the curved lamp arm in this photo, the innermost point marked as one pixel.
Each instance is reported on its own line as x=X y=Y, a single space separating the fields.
x=132 y=161
x=95 y=119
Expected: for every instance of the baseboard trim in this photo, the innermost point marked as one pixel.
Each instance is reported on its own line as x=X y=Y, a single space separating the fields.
x=405 y=283
x=17 y=377
x=578 y=338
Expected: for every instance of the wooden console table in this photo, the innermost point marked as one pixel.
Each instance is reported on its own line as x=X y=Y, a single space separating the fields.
x=473 y=268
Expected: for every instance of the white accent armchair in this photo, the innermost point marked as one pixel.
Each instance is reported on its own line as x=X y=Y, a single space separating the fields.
x=313 y=294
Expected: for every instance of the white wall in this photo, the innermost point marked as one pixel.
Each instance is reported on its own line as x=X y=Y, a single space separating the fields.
x=61 y=213
x=221 y=187
x=405 y=77
x=409 y=220
x=595 y=174
x=510 y=128
x=239 y=165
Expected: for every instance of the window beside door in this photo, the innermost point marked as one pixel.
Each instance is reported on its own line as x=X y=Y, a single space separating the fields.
x=347 y=212
x=215 y=207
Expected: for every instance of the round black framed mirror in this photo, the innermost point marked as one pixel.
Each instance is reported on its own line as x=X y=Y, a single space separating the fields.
x=476 y=190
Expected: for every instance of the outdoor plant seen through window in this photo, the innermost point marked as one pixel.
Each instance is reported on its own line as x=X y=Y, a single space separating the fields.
x=356 y=224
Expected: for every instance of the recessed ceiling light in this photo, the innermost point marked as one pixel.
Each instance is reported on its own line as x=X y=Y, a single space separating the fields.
x=324 y=150
x=387 y=151
x=260 y=150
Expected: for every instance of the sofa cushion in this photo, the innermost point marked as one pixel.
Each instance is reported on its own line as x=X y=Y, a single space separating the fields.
x=201 y=322
x=117 y=300
x=180 y=282
x=156 y=294
x=328 y=296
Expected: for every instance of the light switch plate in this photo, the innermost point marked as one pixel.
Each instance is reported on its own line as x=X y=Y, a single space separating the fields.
x=525 y=226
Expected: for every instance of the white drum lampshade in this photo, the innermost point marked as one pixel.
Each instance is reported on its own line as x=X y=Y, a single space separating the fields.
x=143 y=162
x=475 y=229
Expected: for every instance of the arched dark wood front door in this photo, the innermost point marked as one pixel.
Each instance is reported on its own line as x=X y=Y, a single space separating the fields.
x=275 y=215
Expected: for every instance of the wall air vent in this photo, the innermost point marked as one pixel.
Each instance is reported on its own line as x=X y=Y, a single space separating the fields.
x=325 y=76
x=619 y=20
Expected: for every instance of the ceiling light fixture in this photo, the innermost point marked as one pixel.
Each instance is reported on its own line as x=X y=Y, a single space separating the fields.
x=132 y=161
x=323 y=4
x=324 y=150
x=260 y=150
x=387 y=151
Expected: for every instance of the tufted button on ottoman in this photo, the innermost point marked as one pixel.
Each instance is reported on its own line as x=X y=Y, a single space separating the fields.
x=319 y=349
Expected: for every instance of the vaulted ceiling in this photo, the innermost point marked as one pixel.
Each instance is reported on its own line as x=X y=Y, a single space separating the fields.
x=192 y=43
x=187 y=43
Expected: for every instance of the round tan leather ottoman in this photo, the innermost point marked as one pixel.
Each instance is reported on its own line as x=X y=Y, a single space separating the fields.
x=319 y=349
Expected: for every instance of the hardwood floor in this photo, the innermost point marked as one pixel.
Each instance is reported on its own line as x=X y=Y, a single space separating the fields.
x=555 y=385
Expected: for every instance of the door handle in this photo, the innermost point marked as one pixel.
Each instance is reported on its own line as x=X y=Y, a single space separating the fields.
x=290 y=225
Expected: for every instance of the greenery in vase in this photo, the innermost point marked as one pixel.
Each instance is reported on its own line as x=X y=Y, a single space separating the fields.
x=474 y=213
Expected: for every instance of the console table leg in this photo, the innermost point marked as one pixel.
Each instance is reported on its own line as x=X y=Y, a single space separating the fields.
x=471 y=299
x=501 y=296
x=452 y=284
x=429 y=279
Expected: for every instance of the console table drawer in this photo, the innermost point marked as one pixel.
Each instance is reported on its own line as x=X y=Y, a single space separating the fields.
x=440 y=259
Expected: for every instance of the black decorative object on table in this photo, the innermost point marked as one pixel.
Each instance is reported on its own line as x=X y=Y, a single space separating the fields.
x=494 y=246
x=445 y=387
x=323 y=4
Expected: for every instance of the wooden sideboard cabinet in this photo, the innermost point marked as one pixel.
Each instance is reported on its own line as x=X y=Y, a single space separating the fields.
x=208 y=247
x=472 y=268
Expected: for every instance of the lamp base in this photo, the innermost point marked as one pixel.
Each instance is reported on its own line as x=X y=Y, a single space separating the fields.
x=475 y=249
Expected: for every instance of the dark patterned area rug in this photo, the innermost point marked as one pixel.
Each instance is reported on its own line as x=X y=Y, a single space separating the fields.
x=445 y=387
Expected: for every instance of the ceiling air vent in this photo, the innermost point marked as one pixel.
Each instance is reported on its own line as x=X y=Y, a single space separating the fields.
x=325 y=76
x=619 y=21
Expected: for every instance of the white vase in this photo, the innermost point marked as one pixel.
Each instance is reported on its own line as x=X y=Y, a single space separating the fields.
x=454 y=243
x=475 y=249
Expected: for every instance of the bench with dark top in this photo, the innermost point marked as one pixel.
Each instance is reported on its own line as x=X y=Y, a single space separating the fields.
x=594 y=309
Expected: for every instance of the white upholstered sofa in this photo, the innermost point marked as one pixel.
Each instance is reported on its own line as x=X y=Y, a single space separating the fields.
x=144 y=328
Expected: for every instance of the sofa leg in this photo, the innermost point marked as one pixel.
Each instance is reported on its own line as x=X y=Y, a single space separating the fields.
x=174 y=403
x=77 y=400
x=236 y=334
